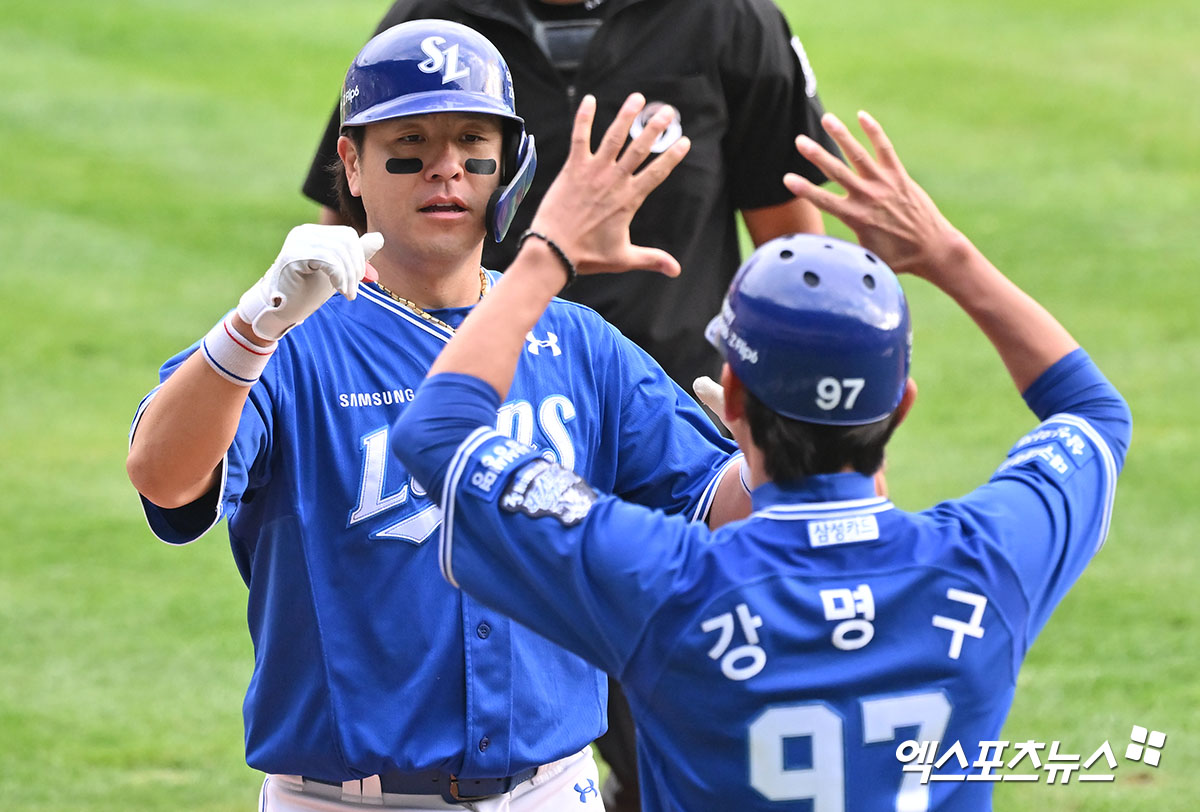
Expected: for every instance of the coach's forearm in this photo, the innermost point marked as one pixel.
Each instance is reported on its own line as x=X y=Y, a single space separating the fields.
x=446 y=410
x=1027 y=337
x=489 y=342
x=183 y=435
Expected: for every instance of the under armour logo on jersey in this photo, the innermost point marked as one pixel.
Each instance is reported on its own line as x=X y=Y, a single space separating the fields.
x=444 y=60
x=536 y=345
x=590 y=789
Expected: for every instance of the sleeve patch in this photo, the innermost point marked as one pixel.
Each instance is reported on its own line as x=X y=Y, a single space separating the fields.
x=543 y=488
x=491 y=462
x=1061 y=448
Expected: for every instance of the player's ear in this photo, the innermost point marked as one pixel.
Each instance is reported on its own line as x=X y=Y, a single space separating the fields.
x=906 y=400
x=349 y=153
x=735 y=403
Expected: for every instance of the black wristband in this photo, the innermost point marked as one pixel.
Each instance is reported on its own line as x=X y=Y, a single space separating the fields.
x=558 y=252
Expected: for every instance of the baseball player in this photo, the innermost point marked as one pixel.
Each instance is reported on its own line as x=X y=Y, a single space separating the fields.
x=374 y=681
x=741 y=85
x=783 y=662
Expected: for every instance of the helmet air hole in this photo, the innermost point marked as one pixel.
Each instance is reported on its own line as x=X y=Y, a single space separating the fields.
x=811 y=279
x=871 y=258
x=786 y=254
x=869 y=282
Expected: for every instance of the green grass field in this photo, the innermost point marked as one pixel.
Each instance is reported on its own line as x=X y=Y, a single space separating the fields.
x=150 y=159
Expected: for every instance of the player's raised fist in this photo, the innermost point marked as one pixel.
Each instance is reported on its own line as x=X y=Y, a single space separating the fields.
x=314 y=263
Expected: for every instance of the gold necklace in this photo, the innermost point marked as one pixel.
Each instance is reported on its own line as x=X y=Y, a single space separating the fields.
x=418 y=310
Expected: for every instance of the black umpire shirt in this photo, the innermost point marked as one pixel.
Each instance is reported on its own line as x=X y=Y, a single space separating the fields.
x=743 y=91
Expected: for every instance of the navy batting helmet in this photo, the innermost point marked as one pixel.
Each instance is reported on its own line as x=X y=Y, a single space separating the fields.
x=818 y=330
x=436 y=66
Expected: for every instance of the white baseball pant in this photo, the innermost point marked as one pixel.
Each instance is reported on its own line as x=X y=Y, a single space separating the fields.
x=571 y=784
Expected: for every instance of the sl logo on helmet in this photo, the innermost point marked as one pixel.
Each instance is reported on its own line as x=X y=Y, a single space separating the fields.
x=445 y=60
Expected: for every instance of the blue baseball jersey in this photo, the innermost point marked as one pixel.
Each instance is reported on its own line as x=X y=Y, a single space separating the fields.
x=366 y=661
x=781 y=661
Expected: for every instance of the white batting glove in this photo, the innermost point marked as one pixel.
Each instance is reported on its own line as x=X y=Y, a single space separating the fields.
x=712 y=395
x=314 y=263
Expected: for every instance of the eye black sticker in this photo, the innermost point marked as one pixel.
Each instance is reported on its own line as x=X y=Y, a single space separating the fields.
x=481 y=166
x=403 y=166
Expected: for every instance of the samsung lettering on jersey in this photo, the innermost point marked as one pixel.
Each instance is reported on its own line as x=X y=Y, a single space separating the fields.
x=386 y=398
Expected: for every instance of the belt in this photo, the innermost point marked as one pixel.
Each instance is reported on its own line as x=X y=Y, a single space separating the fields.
x=452 y=788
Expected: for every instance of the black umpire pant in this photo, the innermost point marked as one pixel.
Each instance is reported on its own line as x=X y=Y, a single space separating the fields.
x=618 y=748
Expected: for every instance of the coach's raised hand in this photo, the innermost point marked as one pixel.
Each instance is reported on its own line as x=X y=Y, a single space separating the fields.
x=314 y=263
x=587 y=209
x=895 y=218
x=885 y=208
x=581 y=226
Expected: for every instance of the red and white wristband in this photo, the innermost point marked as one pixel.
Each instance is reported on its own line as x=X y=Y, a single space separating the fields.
x=233 y=357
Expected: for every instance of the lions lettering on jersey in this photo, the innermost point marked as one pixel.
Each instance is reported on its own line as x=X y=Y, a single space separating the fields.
x=543 y=429
x=422 y=516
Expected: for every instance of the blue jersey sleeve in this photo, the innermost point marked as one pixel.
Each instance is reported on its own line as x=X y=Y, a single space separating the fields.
x=670 y=456
x=447 y=408
x=1076 y=386
x=1049 y=504
x=243 y=468
x=533 y=540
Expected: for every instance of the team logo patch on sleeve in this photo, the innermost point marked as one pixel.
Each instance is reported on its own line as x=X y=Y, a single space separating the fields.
x=544 y=488
x=490 y=463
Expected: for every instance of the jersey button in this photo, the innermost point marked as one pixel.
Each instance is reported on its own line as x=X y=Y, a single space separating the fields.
x=483 y=630
x=483 y=743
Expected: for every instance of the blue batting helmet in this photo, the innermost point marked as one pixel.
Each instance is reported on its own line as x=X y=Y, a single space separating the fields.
x=818 y=330
x=437 y=66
